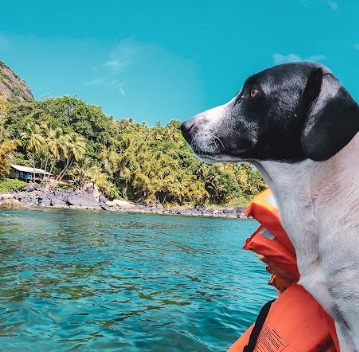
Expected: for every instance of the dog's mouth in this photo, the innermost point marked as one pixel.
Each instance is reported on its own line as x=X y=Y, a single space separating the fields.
x=219 y=156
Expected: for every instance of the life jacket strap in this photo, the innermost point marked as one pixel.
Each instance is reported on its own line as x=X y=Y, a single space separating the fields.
x=258 y=327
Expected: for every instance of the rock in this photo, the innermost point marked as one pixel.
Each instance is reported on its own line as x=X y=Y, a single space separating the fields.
x=37 y=186
x=103 y=199
x=58 y=202
x=96 y=193
x=83 y=200
x=27 y=188
x=59 y=193
x=105 y=207
x=76 y=199
x=123 y=204
x=44 y=202
x=26 y=199
x=93 y=190
x=30 y=187
x=12 y=87
x=241 y=212
x=88 y=187
x=229 y=210
x=5 y=196
x=11 y=203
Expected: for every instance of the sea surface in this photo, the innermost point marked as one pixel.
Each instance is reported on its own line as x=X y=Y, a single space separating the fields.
x=77 y=280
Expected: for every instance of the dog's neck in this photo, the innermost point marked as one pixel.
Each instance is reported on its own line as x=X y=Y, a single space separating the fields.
x=309 y=192
x=303 y=180
x=291 y=187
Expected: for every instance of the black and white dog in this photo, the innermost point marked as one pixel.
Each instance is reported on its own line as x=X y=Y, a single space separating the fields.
x=298 y=126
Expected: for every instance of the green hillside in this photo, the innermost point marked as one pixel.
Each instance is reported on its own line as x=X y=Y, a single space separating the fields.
x=77 y=142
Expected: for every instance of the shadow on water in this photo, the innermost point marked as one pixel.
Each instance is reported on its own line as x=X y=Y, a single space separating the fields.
x=88 y=281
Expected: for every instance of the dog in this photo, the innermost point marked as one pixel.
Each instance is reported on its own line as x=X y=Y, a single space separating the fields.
x=298 y=126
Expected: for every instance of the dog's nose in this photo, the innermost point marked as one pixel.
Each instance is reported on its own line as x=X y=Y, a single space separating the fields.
x=186 y=128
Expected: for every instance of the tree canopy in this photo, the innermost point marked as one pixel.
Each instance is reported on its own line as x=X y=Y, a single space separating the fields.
x=75 y=140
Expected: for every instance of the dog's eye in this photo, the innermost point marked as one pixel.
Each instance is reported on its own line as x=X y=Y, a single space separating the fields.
x=254 y=92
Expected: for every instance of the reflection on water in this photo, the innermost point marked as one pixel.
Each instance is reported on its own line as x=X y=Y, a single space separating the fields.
x=100 y=281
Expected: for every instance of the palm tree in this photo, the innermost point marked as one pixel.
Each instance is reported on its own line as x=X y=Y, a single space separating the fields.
x=80 y=173
x=56 y=145
x=75 y=151
x=76 y=146
x=7 y=151
x=109 y=160
x=33 y=141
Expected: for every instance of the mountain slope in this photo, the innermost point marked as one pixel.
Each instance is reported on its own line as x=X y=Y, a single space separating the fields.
x=12 y=87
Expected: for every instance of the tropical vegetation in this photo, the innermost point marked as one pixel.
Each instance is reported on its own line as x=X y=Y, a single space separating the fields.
x=7 y=185
x=77 y=142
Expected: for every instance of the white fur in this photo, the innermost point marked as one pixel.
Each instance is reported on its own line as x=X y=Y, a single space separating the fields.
x=319 y=204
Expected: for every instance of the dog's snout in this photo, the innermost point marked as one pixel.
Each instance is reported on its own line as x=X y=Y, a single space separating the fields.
x=186 y=128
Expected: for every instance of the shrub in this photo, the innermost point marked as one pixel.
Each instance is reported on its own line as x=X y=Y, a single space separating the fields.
x=7 y=185
x=64 y=186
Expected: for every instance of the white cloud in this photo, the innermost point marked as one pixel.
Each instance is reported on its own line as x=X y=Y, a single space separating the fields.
x=333 y=5
x=109 y=74
x=145 y=79
x=116 y=64
x=124 y=55
x=107 y=82
x=316 y=58
x=281 y=59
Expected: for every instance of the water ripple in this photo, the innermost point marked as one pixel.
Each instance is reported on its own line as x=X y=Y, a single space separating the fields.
x=90 y=281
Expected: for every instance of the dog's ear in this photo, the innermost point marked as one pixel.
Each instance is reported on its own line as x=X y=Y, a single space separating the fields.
x=332 y=116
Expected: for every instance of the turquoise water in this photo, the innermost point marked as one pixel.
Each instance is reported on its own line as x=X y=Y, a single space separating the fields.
x=103 y=281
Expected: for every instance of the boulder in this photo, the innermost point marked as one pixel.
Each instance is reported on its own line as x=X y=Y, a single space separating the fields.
x=11 y=203
x=124 y=204
x=44 y=202
x=58 y=202
x=31 y=187
x=103 y=199
x=6 y=196
x=83 y=200
x=96 y=193
x=26 y=199
x=59 y=193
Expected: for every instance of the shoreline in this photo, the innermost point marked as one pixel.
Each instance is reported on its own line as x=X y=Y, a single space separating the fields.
x=33 y=197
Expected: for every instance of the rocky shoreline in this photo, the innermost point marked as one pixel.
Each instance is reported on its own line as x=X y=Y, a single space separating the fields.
x=32 y=195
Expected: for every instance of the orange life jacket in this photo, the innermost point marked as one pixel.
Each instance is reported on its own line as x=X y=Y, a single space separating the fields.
x=295 y=321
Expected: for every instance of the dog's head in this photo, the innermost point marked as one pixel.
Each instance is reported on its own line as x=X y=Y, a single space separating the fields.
x=288 y=113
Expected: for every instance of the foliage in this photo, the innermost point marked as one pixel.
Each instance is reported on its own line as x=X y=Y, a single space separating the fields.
x=4 y=106
x=7 y=185
x=7 y=148
x=64 y=186
x=72 y=139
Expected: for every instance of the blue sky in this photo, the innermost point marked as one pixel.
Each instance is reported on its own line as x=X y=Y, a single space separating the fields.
x=155 y=60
